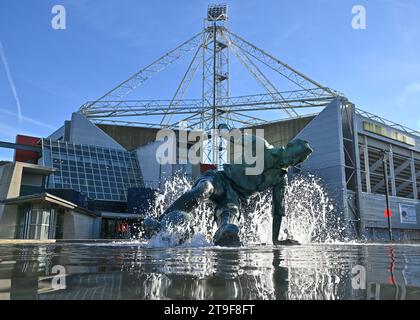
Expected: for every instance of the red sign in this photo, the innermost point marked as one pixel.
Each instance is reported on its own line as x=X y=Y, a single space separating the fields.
x=122 y=227
x=206 y=167
x=24 y=155
x=388 y=213
x=392 y=280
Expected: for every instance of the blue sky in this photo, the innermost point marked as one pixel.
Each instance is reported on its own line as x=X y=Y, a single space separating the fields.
x=47 y=74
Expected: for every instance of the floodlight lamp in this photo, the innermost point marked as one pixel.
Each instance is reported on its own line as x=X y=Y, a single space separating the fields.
x=217 y=12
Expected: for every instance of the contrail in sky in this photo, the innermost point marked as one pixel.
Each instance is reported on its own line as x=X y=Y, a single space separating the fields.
x=11 y=83
x=30 y=120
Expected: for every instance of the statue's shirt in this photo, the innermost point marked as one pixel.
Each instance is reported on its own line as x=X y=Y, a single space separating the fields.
x=248 y=185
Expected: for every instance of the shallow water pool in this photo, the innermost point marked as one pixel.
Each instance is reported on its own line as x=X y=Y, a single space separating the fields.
x=132 y=271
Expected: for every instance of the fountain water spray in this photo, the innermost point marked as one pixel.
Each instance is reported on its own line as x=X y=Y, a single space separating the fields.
x=310 y=215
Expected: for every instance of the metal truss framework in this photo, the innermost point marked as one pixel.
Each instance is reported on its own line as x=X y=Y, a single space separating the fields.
x=351 y=170
x=216 y=106
x=386 y=122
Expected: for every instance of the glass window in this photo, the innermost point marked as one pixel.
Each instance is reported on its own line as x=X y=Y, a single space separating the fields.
x=39 y=222
x=104 y=171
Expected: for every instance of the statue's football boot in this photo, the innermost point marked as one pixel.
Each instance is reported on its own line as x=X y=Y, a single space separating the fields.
x=227 y=220
x=227 y=236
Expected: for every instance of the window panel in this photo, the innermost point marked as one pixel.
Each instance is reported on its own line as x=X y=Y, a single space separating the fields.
x=102 y=173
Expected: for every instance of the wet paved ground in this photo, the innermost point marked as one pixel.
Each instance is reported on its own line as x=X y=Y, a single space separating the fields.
x=130 y=271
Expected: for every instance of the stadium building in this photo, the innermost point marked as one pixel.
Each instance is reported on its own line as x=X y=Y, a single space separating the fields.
x=86 y=171
x=95 y=175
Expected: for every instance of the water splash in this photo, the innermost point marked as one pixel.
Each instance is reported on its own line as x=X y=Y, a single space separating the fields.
x=310 y=215
x=200 y=227
x=255 y=223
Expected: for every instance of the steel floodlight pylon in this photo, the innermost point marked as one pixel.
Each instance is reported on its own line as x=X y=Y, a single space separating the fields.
x=125 y=87
x=216 y=106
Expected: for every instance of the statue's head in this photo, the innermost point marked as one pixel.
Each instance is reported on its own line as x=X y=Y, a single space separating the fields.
x=295 y=152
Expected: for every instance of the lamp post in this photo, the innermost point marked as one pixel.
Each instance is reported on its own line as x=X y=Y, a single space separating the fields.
x=388 y=212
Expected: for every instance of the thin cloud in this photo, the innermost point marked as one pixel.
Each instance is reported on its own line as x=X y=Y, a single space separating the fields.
x=10 y=132
x=107 y=18
x=408 y=100
x=402 y=4
x=409 y=95
x=11 y=82
x=412 y=89
x=29 y=120
x=292 y=30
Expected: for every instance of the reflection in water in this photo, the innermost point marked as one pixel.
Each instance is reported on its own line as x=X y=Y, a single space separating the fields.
x=323 y=274
x=130 y=271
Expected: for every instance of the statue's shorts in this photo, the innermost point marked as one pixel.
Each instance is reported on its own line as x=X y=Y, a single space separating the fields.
x=226 y=197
